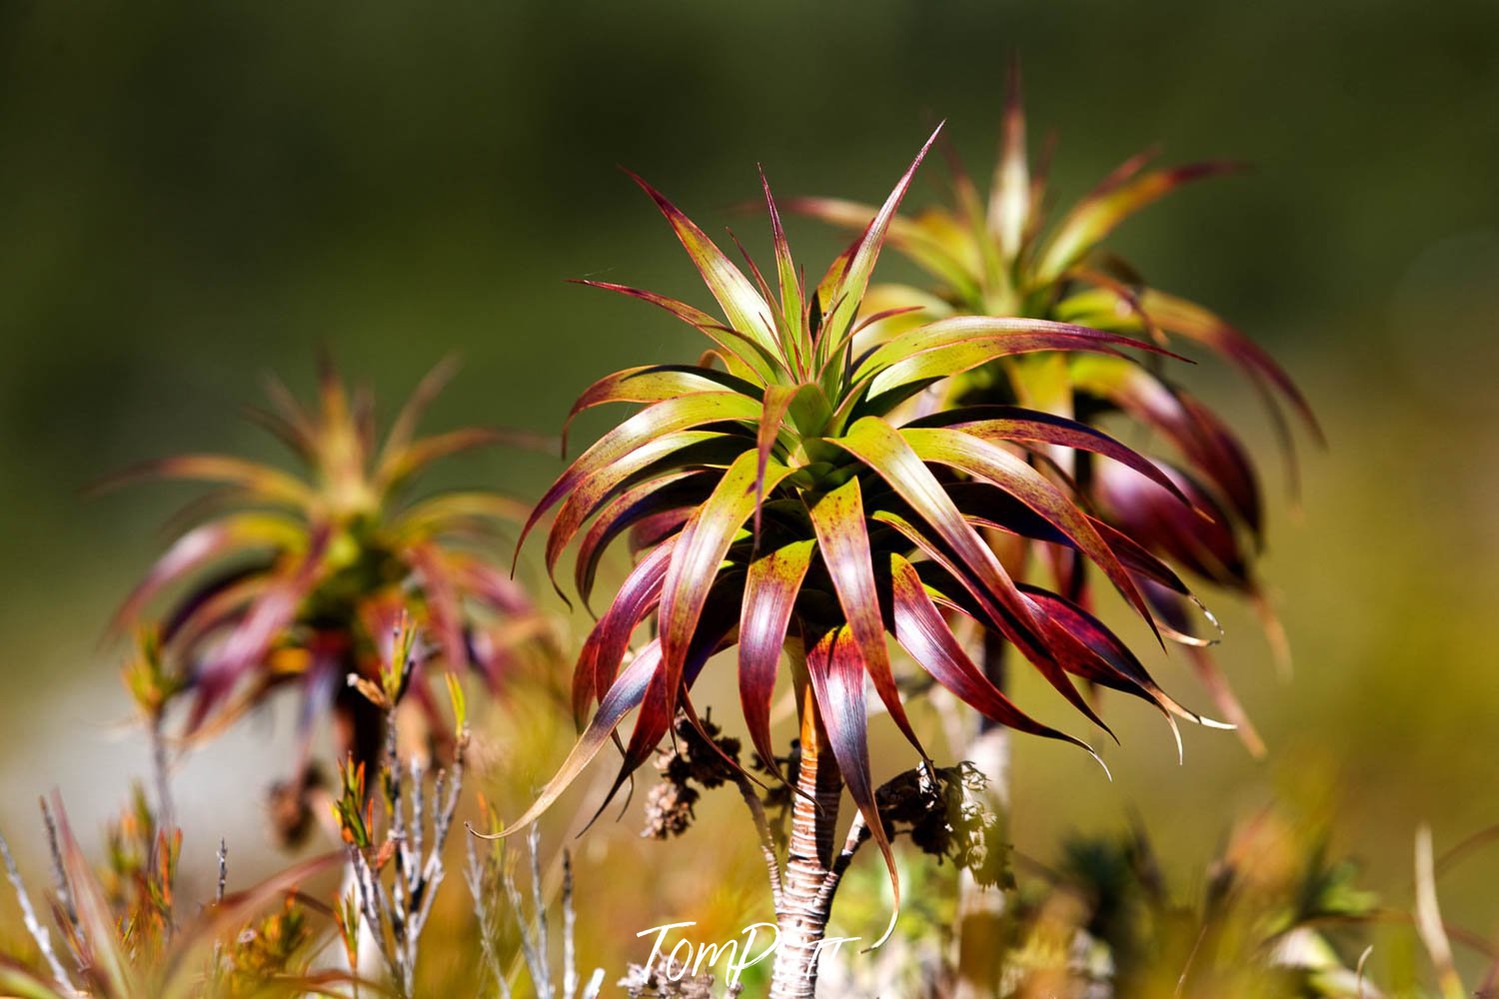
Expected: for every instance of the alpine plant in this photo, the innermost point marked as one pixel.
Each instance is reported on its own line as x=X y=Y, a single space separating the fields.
x=781 y=503
x=1000 y=256
x=279 y=579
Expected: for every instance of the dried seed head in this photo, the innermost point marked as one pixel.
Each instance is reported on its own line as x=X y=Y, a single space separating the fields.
x=668 y=810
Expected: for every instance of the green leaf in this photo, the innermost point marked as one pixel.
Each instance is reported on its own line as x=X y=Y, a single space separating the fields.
x=654 y=383
x=951 y=346
x=1010 y=192
x=743 y=356
x=746 y=310
x=850 y=291
x=642 y=429
x=1096 y=216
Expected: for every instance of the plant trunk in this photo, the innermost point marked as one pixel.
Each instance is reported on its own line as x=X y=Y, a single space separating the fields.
x=981 y=910
x=803 y=916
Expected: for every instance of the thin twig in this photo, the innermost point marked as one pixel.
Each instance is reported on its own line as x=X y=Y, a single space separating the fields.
x=38 y=932
x=59 y=878
x=767 y=841
x=1181 y=982
x=569 y=922
x=418 y=819
x=442 y=823
x=512 y=896
x=1429 y=919
x=370 y=906
x=533 y=843
x=1363 y=959
x=858 y=835
x=165 y=812
x=218 y=899
x=474 y=876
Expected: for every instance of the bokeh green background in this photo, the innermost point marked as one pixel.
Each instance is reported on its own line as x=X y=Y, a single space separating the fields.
x=194 y=194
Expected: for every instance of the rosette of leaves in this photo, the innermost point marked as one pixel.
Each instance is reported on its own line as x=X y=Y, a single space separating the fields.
x=781 y=504
x=283 y=579
x=1002 y=255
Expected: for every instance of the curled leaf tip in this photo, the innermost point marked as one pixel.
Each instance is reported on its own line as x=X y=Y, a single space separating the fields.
x=497 y=834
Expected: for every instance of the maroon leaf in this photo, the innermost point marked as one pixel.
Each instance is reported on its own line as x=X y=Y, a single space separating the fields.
x=843 y=540
x=921 y=630
x=837 y=673
x=770 y=592
x=700 y=549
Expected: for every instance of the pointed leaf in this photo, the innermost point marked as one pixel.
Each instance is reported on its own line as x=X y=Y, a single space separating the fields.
x=1010 y=192
x=645 y=427
x=787 y=276
x=843 y=540
x=608 y=642
x=653 y=498
x=403 y=428
x=654 y=383
x=922 y=631
x=883 y=449
x=624 y=696
x=594 y=491
x=1201 y=437
x=992 y=463
x=770 y=592
x=700 y=549
x=1010 y=423
x=103 y=955
x=743 y=356
x=747 y=312
x=261 y=481
x=837 y=674
x=903 y=235
x=1096 y=216
x=961 y=343
x=855 y=278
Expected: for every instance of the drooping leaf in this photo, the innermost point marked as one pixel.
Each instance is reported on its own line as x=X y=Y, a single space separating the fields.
x=700 y=548
x=843 y=541
x=977 y=457
x=921 y=630
x=837 y=674
x=770 y=591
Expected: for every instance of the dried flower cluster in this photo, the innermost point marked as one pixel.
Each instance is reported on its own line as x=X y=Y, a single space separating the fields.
x=698 y=754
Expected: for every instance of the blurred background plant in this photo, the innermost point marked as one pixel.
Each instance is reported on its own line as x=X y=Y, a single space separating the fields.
x=277 y=580
x=199 y=195
x=997 y=253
